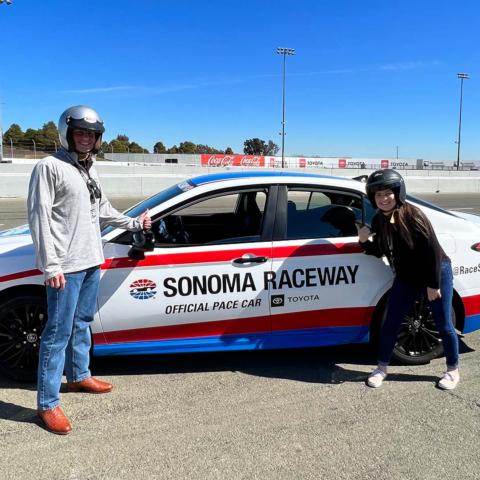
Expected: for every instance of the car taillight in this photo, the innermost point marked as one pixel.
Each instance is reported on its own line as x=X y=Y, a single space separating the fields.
x=476 y=247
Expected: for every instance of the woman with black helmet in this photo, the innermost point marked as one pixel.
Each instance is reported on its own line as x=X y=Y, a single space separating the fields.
x=401 y=232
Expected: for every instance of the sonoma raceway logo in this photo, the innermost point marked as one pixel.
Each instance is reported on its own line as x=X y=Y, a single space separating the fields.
x=279 y=280
x=143 y=289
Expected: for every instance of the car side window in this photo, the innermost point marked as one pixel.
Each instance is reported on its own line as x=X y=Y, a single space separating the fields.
x=230 y=218
x=317 y=213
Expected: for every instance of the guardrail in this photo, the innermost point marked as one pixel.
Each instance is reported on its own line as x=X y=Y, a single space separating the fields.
x=143 y=180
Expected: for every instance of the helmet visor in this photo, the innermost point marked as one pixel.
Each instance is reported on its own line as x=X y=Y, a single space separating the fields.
x=86 y=123
x=383 y=185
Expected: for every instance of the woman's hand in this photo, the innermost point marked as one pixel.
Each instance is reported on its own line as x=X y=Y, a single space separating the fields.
x=433 y=294
x=364 y=232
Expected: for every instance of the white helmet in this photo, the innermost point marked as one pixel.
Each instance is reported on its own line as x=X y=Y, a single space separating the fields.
x=82 y=117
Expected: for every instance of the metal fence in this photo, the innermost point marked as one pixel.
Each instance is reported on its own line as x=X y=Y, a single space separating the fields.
x=30 y=149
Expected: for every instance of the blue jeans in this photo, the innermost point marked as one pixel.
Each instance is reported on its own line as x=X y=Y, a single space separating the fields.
x=66 y=341
x=402 y=298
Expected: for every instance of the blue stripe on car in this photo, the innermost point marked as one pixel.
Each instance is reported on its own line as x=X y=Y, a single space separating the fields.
x=217 y=177
x=472 y=323
x=263 y=341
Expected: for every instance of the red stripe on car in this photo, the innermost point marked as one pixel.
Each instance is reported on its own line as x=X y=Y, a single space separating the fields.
x=472 y=305
x=228 y=255
x=15 y=276
x=335 y=317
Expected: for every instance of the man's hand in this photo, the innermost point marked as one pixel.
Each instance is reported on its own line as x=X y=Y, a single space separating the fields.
x=58 y=281
x=145 y=220
x=363 y=232
x=433 y=294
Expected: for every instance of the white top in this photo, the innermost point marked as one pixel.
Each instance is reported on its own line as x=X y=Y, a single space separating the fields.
x=64 y=223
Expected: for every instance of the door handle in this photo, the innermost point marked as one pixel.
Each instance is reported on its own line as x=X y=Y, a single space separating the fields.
x=242 y=260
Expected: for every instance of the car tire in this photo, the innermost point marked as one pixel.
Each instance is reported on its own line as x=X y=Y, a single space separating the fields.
x=22 y=320
x=418 y=340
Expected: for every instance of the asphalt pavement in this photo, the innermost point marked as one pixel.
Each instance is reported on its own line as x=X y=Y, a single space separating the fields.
x=291 y=414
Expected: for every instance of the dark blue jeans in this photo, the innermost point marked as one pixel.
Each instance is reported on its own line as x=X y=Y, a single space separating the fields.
x=66 y=338
x=402 y=298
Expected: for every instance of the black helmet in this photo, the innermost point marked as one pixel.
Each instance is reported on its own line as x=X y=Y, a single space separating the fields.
x=84 y=118
x=383 y=180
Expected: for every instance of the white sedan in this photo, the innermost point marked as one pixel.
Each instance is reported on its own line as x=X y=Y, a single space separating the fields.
x=241 y=261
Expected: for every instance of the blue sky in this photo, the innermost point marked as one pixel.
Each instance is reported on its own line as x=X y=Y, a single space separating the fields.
x=367 y=76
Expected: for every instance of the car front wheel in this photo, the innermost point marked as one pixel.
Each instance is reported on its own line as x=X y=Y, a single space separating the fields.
x=21 y=324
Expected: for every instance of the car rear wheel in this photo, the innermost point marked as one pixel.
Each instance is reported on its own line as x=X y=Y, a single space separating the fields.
x=419 y=341
x=21 y=324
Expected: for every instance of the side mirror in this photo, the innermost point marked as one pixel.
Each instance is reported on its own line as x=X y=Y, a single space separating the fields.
x=141 y=242
x=361 y=178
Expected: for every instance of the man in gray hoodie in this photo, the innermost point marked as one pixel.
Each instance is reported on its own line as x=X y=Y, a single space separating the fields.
x=66 y=207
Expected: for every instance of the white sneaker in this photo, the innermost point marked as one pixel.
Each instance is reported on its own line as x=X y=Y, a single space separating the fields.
x=376 y=378
x=449 y=380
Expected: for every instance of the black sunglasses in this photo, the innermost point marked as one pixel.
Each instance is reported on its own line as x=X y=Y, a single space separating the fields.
x=94 y=190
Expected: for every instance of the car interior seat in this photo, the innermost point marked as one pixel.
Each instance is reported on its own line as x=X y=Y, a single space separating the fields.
x=291 y=209
x=250 y=216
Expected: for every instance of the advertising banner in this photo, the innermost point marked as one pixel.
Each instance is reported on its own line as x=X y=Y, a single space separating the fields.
x=221 y=160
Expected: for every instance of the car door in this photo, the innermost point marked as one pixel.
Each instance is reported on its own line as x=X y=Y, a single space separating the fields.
x=323 y=288
x=202 y=286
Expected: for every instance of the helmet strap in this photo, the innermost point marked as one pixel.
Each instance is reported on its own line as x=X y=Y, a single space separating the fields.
x=390 y=212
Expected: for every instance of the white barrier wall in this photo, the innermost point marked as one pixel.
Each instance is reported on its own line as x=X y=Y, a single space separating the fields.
x=143 y=180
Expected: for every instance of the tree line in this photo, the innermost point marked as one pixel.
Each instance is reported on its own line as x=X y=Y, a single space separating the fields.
x=46 y=139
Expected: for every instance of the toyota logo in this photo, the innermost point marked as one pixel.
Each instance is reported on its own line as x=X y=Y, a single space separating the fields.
x=32 y=337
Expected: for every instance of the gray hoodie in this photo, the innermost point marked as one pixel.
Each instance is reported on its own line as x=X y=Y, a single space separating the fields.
x=64 y=224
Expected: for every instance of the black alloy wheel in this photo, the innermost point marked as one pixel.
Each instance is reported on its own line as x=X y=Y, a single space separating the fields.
x=418 y=340
x=21 y=324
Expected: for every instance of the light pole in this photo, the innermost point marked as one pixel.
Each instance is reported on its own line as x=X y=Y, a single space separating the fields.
x=284 y=52
x=397 y=153
x=462 y=77
x=1 y=134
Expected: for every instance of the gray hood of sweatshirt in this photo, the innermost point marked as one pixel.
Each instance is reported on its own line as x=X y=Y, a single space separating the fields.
x=64 y=223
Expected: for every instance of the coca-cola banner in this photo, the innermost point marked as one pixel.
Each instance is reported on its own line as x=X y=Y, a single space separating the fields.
x=220 y=160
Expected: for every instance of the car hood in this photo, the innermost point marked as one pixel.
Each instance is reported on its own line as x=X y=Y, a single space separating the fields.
x=17 y=254
x=11 y=240
x=20 y=230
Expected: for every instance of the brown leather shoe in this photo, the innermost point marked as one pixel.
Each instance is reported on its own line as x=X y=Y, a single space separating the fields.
x=55 y=421
x=89 y=385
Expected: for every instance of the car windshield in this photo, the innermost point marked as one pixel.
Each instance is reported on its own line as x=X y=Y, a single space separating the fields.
x=156 y=199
